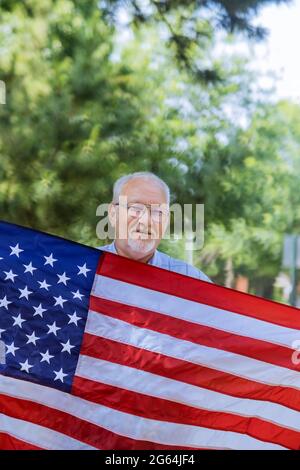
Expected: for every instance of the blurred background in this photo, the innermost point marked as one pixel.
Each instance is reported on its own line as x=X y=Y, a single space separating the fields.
x=205 y=93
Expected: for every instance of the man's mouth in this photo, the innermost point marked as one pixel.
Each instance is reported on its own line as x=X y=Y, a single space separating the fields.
x=141 y=233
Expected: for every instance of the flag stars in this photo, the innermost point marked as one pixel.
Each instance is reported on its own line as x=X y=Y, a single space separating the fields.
x=11 y=349
x=67 y=347
x=29 y=268
x=44 y=285
x=15 y=250
x=77 y=295
x=59 y=301
x=83 y=270
x=10 y=276
x=59 y=375
x=46 y=356
x=18 y=321
x=4 y=302
x=74 y=318
x=58 y=294
x=62 y=278
x=32 y=338
x=24 y=293
x=50 y=260
x=25 y=366
x=39 y=310
x=53 y=329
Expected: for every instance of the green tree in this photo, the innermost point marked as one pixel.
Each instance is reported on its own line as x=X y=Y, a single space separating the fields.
x=188 y=23
x=69 y=110
x=76 y=118
x=258 y=195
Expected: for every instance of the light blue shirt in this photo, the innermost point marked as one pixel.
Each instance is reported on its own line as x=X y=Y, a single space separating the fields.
x=164 y=261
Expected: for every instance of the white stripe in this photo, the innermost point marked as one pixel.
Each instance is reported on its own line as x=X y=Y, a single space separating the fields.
x=38 y=435
x=242 y=366
x=150 y=384
x=129 y=425
x=194 y=312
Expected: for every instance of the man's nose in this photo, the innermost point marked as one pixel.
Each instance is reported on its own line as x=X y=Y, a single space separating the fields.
x=145 y=217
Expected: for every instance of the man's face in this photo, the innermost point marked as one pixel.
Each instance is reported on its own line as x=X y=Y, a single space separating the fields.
x=139 y=229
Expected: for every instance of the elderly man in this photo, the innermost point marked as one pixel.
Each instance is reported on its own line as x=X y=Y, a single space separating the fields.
x=139 y=213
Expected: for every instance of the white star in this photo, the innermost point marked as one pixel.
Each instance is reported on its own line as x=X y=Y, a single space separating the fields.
x=10 y=349
x=39 y=310
x=77 y=295
x=67 y=347
x=50 y=260
x=2 y=331
x=29 y=268
x=46 y=356
x=83 y=270
x=25 y=366
x=15 y=250
x=25 y=293
x=63 y=278
x=44 y=285
x=18 y=320
x=59 y=301
x=53 y=329
x=73 y=319
x=32 y=338
x=4 y=302
x=10 y=276
x=59 y=375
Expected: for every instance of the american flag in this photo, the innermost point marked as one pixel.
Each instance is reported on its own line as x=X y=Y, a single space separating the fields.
x=102 y=352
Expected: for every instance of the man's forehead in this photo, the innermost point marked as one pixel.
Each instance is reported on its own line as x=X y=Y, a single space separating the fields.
x=145 y=191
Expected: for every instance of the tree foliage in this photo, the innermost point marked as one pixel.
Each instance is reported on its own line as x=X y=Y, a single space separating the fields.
x=190 y=23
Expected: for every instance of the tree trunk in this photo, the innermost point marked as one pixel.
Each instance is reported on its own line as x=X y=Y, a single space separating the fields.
x=229 y=273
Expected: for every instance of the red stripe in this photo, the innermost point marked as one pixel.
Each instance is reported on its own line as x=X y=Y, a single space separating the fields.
x=72 y=426
x=152 y=277
x=198 y=334
x=154 y=408
x=183 y=371
x=8 y=442
x=49 y=418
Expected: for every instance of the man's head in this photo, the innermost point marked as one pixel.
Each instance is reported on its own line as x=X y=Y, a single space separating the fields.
x=139 y=212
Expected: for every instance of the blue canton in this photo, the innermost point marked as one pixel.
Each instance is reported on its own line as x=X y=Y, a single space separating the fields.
x=45 y=285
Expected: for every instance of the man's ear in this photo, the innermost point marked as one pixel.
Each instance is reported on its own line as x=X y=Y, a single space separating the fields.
x=112 y=215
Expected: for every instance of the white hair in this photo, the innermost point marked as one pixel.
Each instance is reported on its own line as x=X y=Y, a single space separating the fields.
x=139 y=174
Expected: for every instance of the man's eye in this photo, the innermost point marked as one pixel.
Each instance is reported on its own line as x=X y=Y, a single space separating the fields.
x=135 y=209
